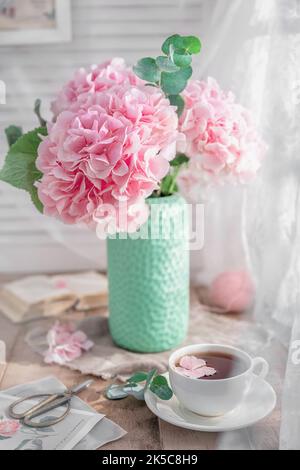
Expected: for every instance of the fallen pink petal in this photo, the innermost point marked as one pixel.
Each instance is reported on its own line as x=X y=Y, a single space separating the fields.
x=65 y=344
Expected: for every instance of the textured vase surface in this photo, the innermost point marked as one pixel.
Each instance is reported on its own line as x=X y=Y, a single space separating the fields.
x=149 y=280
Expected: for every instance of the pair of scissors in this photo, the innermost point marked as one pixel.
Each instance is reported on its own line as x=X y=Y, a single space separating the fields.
x=49 y=402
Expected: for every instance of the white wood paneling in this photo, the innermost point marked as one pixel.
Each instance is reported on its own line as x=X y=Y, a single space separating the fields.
x=101 y=29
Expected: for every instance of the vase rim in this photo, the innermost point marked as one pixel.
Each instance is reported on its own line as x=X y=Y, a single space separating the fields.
x=173 y=198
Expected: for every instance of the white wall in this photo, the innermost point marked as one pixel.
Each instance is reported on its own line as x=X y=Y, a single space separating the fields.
x=101 y=29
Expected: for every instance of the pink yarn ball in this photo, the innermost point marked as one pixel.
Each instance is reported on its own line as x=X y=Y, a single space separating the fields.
x=232 y=291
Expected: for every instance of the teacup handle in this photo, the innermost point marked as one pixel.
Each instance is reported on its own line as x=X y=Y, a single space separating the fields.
x=264 y=367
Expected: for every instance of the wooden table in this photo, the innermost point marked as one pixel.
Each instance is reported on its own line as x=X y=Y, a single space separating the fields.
x=145 y=431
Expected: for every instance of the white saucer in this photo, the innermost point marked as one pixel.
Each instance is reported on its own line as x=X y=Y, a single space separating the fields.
x=258 y=403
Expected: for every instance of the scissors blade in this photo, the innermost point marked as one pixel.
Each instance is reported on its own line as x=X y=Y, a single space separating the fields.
x=79 y=388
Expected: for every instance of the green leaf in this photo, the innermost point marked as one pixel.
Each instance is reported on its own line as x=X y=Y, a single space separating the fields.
x=138 y=377
x=180 y=159
x=37 y=110
x=187 y=44
x=166 y=184
x=181 y=60
x=168 y=42
x=147 y=69
x=35 y=199
x=177 y=100
x=165 y=64
x=191 y=44
x=151 y=374
x=161 y=388
x=174 y=83
x=160 y=380
x=13 y=133
x=19 y=168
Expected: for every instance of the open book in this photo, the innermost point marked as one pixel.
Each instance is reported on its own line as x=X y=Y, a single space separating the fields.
x=38 y=296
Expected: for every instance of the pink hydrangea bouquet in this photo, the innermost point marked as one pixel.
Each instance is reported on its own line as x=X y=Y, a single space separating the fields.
x=119 y=136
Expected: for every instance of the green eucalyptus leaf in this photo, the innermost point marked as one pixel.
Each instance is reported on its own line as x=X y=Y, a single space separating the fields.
x=174 y=83
x=181 y=60
x=185 y=44
x=168 y=42
x=151 y=374
x=177 y=100
x=19 y=168
x=161 y=388
x=191 y=44
x=138 y=377
x=179 y=160
x=13 y=133
x=165 y=64
x=147 y=70
x=159 y=380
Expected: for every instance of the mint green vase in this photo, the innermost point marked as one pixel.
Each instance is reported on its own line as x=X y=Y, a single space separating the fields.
x=149 y=280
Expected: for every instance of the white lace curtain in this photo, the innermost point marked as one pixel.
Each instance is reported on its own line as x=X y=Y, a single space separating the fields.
x=253 y=48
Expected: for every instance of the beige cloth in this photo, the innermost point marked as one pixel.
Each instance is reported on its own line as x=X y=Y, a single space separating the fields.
x=43 y=296
x=106 y=360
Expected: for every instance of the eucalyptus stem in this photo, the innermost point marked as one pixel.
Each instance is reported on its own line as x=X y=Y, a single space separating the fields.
x=171 y=73
x=174 y=178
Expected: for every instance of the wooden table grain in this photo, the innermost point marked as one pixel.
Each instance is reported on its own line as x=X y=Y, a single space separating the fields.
x=144 y=430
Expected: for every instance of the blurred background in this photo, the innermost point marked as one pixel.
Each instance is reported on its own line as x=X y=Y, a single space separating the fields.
x=101 y=29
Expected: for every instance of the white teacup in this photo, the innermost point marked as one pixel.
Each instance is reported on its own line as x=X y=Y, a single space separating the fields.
x=218 y=396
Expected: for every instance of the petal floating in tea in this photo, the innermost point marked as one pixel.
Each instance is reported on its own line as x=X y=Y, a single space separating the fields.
x=197 y=373
x=191 y=362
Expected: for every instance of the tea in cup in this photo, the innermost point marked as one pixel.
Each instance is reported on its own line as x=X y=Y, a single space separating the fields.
x=213 y=379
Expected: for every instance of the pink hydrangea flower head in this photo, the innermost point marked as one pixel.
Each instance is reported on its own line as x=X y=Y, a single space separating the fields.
x=96 y=79
x=114 y=148
x=65 y=344
x=221 y=139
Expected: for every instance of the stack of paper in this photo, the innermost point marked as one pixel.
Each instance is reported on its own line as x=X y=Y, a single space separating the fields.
x=82 y=429
x=39 y=296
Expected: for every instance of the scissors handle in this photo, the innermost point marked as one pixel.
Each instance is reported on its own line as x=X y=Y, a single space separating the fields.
x=49 y=403
x=29 y=420
x=40 y=408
